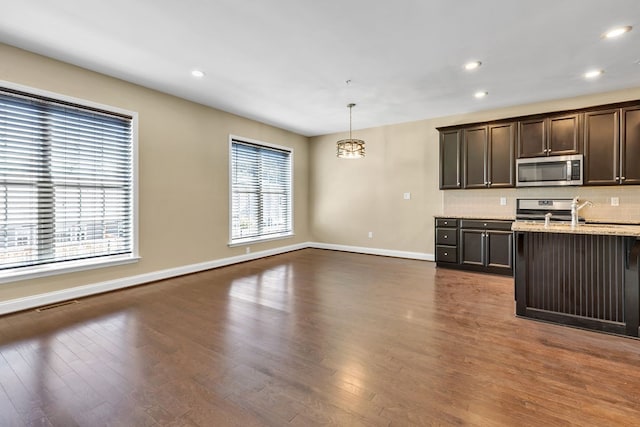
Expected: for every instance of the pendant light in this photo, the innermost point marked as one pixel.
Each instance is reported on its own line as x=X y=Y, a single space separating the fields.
x=350 y=148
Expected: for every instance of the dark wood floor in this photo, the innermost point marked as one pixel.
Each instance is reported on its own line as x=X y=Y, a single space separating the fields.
x=311 y=338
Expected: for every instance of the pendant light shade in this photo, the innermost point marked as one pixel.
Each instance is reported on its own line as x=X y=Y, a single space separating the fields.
x=350 y=148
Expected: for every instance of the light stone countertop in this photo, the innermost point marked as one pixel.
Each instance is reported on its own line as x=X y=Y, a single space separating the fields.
x=479 y=217
x=600 y=229
x=618 y=221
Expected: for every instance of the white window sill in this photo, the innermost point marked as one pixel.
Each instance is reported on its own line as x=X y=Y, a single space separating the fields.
x=33 y=272
x=243 y=242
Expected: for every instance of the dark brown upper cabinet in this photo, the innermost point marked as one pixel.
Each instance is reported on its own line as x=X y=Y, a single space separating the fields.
x=601 y=147
x=630 y=146
x=475 y=157
x=532 y=138
x=564 y=135
x=612 y=146
x=482 y=155
x=488 y=156
x=549 y=136
x=501 y=155
x=450 y=156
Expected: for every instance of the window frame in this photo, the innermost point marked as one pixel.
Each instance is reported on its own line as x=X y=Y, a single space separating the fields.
x=64 y=267
x=246 y=241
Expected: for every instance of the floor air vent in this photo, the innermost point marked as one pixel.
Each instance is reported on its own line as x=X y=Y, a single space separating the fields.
x=58 y=305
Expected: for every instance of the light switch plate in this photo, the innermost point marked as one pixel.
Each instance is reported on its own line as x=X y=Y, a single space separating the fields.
x=503 y=201
x=407 y=196
x=615 y=201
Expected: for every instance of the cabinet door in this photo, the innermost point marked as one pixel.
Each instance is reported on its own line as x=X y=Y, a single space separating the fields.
x=500 y=155
x=475 y=149
x=601 y=147
x=630 y=146
x=564 y=135
x=472 y=247
x=450 y=159
x=532 y=138
x=499 y=249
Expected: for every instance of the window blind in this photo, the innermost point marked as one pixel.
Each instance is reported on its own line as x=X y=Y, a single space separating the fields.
x=260 y=191
x=65 y=182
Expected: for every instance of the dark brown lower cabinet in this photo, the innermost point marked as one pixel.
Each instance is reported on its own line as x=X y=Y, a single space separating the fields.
x=583 y=280
x=487 y=245
x=447 y=241
x=500 y=249
x=473 y=247
x=479 y=245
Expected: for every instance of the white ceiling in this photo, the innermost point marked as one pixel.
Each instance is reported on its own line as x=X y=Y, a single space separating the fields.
x=286 y=62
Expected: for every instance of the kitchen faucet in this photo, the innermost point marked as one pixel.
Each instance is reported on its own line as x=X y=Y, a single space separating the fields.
x=575 y=208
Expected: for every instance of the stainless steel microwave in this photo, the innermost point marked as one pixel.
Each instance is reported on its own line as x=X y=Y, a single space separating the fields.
x=549 y=171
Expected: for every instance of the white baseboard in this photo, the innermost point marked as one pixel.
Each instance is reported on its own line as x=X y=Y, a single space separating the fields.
x=26 y=303
x=374 y=251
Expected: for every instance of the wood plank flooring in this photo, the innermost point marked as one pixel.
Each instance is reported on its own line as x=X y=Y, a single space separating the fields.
x=310 y=338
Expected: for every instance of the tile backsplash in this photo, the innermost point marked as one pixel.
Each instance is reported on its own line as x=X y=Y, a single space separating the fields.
x=486 y=202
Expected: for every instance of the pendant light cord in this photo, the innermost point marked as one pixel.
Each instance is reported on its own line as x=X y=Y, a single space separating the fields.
x=350 y=110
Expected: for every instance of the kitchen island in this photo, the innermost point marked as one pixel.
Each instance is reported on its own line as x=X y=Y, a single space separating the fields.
x=584 y=276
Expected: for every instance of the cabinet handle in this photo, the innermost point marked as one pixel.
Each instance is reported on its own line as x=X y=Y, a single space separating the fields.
x=489 y=182
x=446 y=253
x=617 y=178
x=622 y=178
x=446 y=237
x=447 y=222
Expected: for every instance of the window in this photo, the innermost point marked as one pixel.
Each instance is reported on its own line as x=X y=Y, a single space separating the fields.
x=260 y=191
x=66 y=185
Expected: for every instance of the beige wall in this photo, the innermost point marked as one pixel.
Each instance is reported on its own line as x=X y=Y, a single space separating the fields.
x=183 y=171
x=352 y=197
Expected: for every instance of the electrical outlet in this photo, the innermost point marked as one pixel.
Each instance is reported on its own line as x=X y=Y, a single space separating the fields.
x=503 y=201
x=248 y=250
x=615 y=201
x=407 y=196
x=371 y=234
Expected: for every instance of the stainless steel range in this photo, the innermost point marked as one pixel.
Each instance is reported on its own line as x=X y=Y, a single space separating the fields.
x=535 y=210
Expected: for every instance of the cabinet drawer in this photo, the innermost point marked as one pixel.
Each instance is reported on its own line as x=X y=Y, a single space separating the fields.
x=447 y=236
x=488 y=224
x=446 y=254
x=446 y=222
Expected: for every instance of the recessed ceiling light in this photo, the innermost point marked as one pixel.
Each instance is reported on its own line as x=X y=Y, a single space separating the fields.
x=617 y=32
x=481 y=94
x=197 y=73
x=593 y=74
x=472 y=65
